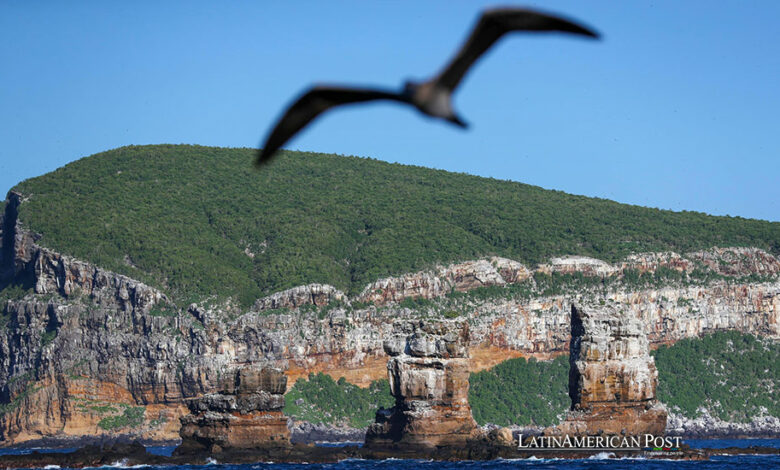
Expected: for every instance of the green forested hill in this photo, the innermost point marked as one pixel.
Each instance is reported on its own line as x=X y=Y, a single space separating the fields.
x=201 y=221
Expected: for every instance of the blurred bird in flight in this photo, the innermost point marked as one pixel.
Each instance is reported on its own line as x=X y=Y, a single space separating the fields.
x=432 y=97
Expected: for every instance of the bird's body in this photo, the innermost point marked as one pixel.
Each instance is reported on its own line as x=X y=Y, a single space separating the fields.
x=434 y=100
x=432 y=97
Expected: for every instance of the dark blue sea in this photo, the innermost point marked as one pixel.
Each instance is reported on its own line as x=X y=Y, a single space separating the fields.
x=744 y=462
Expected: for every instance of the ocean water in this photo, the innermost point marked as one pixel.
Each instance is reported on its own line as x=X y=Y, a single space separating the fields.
x=601 y=461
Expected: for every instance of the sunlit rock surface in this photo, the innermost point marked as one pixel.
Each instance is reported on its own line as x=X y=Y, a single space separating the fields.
x=429 y=378
x=245 y=414
x=612 y=376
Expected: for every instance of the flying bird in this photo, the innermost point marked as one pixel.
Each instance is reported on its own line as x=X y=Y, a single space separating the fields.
x=432 y=97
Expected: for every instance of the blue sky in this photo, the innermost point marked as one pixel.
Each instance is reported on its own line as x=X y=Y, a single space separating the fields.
x=677 y=107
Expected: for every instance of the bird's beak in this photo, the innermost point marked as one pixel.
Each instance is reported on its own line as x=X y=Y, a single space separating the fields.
x=458 y=122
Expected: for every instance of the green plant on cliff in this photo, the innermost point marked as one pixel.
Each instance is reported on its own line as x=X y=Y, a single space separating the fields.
x=730 y=374
x=163 y=311
x=11 y=292
x=320 y=399
x=28 y=390
x=132 y=416
x=47 y=338
x=520 y=392
x=202 y=221
x=103 y=409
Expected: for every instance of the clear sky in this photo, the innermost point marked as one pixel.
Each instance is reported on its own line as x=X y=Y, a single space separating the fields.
x=677 y=107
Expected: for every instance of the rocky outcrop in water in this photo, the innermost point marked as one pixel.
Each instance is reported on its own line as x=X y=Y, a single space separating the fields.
x=612 y=376
x=245 y=414
x=429 y=378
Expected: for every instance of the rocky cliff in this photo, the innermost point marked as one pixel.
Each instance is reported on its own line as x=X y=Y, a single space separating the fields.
x=612 y=376
x=445 y=279
x=245 y=414
x=429 y=378
x=87 y=351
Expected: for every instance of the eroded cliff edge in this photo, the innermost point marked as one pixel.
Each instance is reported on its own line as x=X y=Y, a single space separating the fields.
x=85 y=351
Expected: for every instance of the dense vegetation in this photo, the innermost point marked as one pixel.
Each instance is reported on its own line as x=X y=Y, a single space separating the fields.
x=521 y=392
x=730 y=374
x=320 y=399
x=201 y=221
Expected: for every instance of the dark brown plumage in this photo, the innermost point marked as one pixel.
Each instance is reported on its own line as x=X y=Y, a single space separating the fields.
x=432 y=97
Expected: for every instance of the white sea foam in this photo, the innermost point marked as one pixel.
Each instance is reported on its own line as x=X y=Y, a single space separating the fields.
x=602 y=456
x=525 y=459
x=123 y=464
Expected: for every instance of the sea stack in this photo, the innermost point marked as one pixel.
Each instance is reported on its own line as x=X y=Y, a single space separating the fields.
x=429 y=378
x=245 y=414
x=612 y=376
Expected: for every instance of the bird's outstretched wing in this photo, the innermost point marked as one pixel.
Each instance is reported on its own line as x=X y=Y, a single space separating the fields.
x=311 y=104
x=491 y=26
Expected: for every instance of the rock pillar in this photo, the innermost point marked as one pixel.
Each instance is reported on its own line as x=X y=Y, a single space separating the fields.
x=612 y=376
x=429 y=378
x=245 y=414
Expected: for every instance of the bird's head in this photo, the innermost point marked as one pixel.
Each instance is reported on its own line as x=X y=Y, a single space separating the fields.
x=410 y=88
x=458 y=121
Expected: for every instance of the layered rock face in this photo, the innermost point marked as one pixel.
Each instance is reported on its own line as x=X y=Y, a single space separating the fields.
x=245 y=414
x=578 y=264
x=312 y=294
x=459 y=277
x=733 y=261
x=87 y=347
x=429 y=378
x=612 y=376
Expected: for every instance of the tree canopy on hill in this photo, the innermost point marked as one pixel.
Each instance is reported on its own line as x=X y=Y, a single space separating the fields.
x=520 y=392
x=732 y=375
x=201 y=221
x=320 y=399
